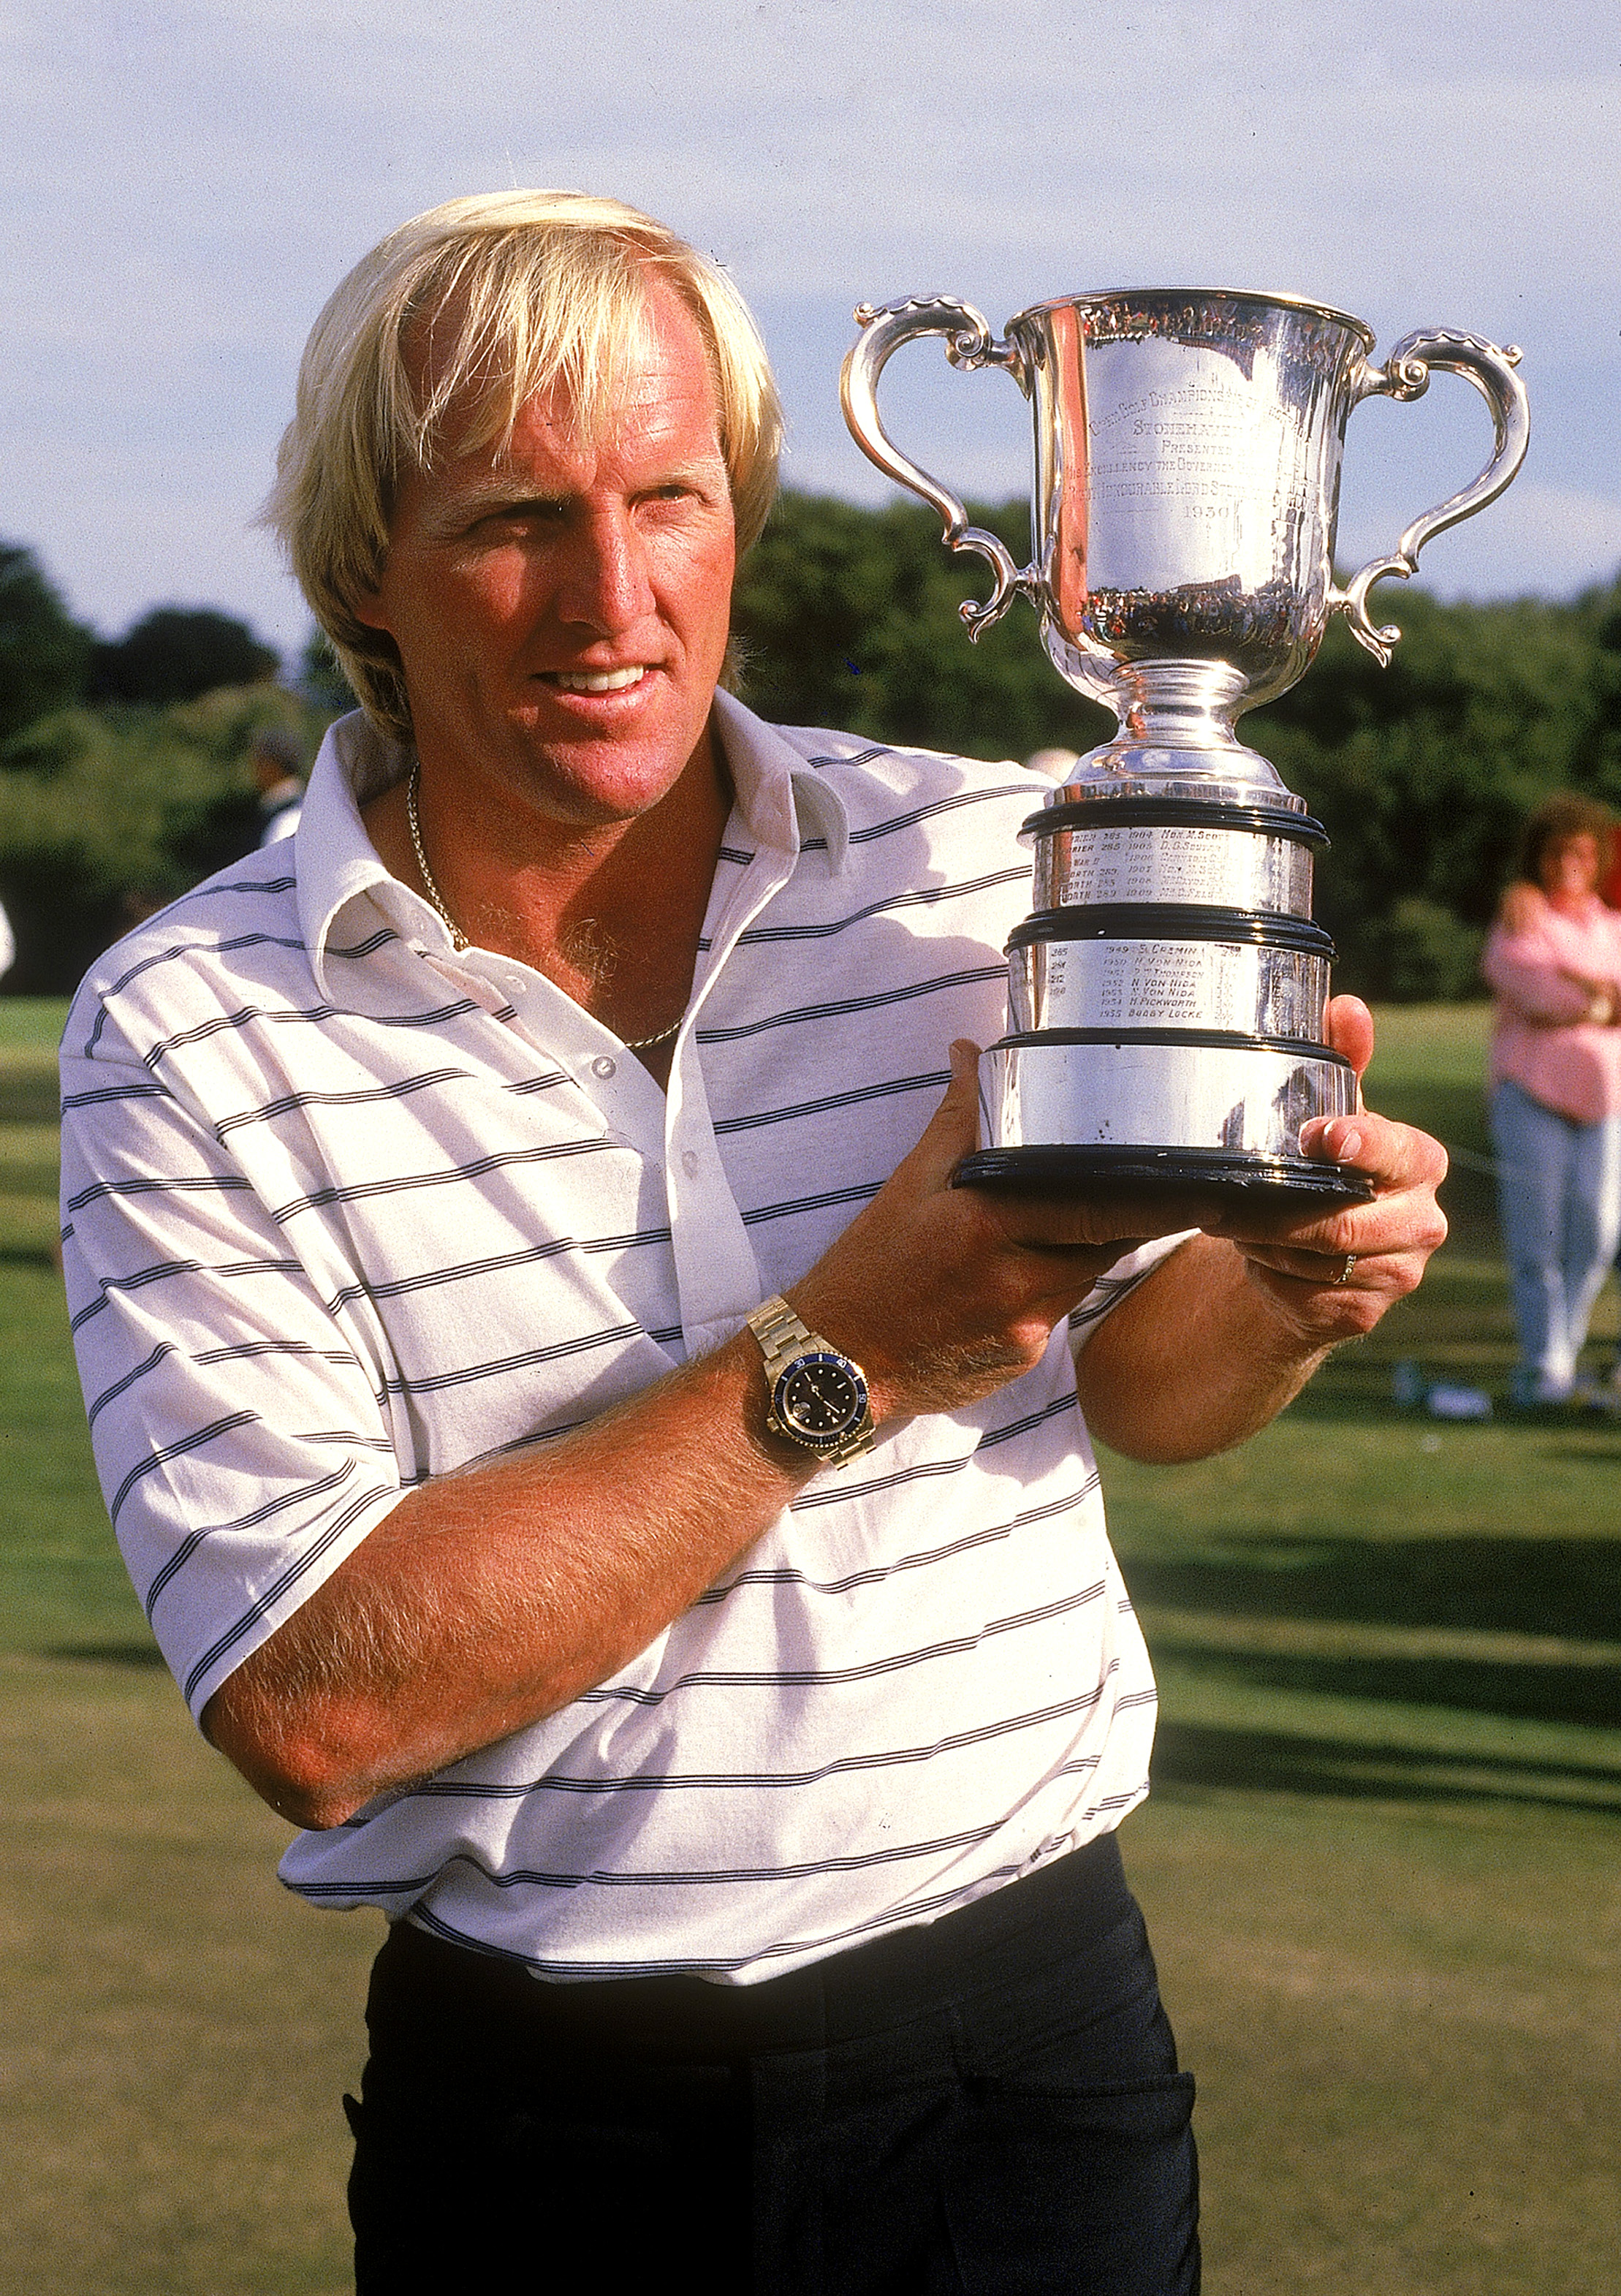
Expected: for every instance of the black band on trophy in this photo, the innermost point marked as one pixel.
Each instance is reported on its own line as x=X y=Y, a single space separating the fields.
x=1175 y=813
x=1164 y=922
x=1207 y=1040
x=1224 y=1172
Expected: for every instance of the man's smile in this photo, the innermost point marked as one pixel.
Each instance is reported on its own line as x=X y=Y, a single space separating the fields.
x=595 y=681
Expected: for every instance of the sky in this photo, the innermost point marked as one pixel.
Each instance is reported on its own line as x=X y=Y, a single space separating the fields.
x=184 y=182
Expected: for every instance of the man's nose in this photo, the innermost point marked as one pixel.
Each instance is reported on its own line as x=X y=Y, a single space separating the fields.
x=603 y=583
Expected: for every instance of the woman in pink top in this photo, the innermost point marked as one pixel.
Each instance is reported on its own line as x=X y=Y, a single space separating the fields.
x=1553 y=960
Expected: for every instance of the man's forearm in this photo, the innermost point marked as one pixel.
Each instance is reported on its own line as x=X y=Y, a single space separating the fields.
x=489 y=1599
x=1194 y=1361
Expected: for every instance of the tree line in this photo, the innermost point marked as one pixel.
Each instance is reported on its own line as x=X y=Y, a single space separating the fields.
x=123 y=775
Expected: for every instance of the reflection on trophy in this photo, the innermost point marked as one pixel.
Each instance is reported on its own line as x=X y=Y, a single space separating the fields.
x=1167 y=994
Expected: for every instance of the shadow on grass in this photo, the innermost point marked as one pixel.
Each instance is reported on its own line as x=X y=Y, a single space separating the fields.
x=1195 y=1754
x=1518 y=1692
x=1353 y=1390
x=108 y=1653
x=1571 y=1588
x=26 y=1255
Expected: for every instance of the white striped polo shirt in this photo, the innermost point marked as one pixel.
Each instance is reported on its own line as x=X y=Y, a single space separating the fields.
x=345 y=1209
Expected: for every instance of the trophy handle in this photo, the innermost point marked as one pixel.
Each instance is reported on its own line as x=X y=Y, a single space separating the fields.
x=1405 y=374
x=969 y=344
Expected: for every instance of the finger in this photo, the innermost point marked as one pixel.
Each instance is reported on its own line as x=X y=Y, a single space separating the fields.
x=1394 y=1221
x=1334 y=1139
x=1329 y=1312
x=1393 y=1155
x=1349 y=1030
x=1394 y=1224
x=1328 y=1271
x=1079 y=1220
x=952 y=1131
x=1328 y=1298
x=1402 y=1216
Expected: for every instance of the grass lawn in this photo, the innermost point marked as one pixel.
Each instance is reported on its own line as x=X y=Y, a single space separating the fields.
x=1379 y=1864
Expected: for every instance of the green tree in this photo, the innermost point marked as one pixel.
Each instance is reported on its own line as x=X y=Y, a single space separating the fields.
x=1600 y=614
x=850 y=618
x=1423 y=771
x=175 y=653
x=321 y=678
x=42 y=651
x=107 y=813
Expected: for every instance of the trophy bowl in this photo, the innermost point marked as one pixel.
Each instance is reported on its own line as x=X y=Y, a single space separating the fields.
x=1169 y=992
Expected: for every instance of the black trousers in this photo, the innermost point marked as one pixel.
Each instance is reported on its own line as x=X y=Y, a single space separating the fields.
x=991 y=2104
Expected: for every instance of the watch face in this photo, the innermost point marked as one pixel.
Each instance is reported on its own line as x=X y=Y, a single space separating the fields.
x=821 y=1397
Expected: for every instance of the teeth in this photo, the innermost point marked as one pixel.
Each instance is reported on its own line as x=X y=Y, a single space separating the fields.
x=598 y=681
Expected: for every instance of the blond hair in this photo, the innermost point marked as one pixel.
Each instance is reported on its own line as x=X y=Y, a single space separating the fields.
x=476 y=307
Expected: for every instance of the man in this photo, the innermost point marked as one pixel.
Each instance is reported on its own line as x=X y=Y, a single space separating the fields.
x=586 y=1464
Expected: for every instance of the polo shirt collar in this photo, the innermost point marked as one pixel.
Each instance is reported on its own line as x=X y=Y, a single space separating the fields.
x=782 y=802
x=336 y=861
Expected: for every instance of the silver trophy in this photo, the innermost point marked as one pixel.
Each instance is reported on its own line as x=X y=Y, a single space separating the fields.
x=1167 y=994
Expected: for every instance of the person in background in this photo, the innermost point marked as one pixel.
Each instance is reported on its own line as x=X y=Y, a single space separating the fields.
x=1609 y=893
x=1554 y=962
x=278 y=771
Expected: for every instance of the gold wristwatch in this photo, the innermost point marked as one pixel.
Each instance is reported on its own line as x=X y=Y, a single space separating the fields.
x=818 y=1397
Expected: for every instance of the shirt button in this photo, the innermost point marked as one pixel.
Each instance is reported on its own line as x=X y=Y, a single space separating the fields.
x=604 y=1065
x=689 y=1161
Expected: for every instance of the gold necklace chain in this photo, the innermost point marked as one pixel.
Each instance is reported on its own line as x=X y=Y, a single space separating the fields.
x=458 y=939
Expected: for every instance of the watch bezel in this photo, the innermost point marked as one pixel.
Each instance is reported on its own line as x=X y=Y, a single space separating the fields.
x=813 y=1439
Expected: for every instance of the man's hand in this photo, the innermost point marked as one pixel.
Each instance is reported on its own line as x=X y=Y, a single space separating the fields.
x=942 y=1294
x=1330 y=1277
x=1214 y=1343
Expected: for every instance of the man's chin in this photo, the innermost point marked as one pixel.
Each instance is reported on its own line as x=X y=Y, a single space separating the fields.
x=593 y=779
x=577 y=790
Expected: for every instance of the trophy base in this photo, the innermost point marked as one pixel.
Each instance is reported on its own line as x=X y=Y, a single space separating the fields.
x=1137 y=1108
x=1218 y=1172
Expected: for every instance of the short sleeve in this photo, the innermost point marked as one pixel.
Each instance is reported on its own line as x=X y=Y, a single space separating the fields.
x=1107 y=1293
x=242 y=1438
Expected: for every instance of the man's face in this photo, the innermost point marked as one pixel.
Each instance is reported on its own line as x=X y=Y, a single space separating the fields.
x=562 y=610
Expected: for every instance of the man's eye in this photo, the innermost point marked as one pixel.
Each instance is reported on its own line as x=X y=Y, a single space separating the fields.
x=521 y=518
